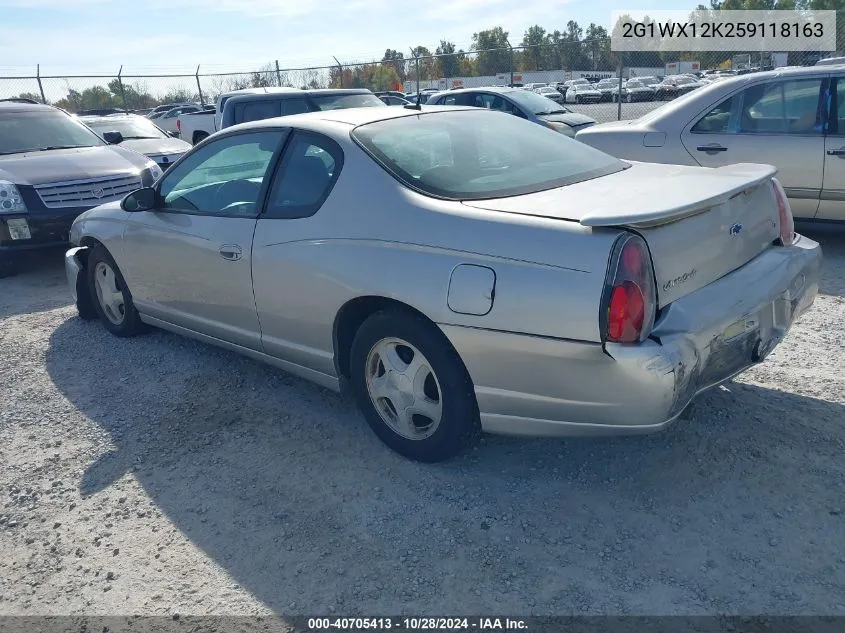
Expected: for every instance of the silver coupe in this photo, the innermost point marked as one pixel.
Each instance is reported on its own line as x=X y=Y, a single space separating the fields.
x=458 y=270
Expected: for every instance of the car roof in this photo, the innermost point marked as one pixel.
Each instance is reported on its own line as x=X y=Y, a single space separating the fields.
x=264 y=90
x=23 y=106
x=350 y=116
x=500 y=89
x=116 y=115
x=235 y=99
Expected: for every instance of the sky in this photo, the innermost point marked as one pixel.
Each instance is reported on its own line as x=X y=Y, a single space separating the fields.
x=168 y=36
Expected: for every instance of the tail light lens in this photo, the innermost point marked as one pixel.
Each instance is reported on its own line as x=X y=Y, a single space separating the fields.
x=179 y=124
x=630 y=295
x=787 y=223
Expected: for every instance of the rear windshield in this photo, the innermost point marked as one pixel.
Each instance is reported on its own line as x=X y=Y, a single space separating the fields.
x=340 y=101
x=42 y=130
x=478 y=154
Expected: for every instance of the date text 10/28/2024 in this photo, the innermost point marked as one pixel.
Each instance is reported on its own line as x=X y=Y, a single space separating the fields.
x=417 y=624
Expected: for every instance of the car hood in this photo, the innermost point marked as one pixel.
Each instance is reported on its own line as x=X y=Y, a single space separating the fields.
x=572 y=119
x=156 y=146
x=35 y=168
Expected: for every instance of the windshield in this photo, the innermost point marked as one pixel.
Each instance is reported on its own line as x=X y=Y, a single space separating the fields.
x=648 y=81
x=340 y=101
x=129 y=127
x=41 y=130
x=533 y=102
x=479 y=154
x=634 y=84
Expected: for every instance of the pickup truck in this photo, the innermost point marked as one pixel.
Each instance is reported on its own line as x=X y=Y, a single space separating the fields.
x=195 y=127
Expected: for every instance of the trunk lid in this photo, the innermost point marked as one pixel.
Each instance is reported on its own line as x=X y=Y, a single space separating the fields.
x=699 y=223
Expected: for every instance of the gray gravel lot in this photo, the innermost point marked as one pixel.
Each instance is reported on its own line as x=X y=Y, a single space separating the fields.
x=159 y=475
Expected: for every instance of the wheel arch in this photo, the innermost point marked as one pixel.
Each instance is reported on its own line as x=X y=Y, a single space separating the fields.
x=349 y=319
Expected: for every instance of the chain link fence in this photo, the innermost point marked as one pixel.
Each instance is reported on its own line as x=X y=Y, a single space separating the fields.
x=552 y=64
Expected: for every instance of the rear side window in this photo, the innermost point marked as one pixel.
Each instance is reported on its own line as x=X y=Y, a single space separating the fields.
x=257 y=110
x=782 y=107
x=310 y=166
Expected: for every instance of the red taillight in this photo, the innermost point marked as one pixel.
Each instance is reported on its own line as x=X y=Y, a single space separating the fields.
x=179 y=124
x=787 y=223
x=631 y=295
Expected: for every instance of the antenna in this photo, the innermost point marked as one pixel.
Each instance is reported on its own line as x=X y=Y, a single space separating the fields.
x=416 y=106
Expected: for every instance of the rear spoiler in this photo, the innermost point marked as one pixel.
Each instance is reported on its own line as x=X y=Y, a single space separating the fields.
x=683 y=196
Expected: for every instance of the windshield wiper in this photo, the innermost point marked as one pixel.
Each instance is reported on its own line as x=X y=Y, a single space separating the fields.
x=51 y=147
x=545 y=112
x=132 y=138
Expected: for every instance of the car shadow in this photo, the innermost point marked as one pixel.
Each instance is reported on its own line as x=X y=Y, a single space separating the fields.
x=832 y=239
x=39 y=285
x=282 y=484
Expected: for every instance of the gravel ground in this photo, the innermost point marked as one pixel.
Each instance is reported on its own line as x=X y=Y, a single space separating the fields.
x=159 y=475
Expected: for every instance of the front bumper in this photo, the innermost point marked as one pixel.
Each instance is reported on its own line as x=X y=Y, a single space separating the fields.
x=527 y=385
x=45 y=228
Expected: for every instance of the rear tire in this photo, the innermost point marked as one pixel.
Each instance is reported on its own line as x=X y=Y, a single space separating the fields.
x=412 y=387
x=110 y=295
x=199 y=137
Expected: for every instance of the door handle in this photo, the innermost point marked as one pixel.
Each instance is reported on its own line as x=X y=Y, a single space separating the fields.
x=836 y=152
x=231 y=252
x=711 y=149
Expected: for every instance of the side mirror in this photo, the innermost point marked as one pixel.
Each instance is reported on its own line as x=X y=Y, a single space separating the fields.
x=113 y=138
x=140 y=200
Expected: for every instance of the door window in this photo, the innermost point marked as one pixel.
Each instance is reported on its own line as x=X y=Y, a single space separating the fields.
x=222 y=178
x=717 y=121
x=782 y=107
x=840 y=106
x=309 y=168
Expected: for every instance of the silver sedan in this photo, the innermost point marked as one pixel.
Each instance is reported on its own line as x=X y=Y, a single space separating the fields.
x=456 y=269
x=784 y=117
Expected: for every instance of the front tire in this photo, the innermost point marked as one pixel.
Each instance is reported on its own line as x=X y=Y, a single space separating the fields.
x=110 y=295
x=412 y=387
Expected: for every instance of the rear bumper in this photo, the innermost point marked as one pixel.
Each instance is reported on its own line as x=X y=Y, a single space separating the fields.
x=527 y=385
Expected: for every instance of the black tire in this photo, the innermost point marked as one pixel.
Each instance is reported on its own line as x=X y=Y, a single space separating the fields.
x=199 y=137
x=459 y=424
x=131 y=324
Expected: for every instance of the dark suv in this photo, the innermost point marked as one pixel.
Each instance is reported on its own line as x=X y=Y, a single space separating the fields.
x=52 y=168
x=255 y=107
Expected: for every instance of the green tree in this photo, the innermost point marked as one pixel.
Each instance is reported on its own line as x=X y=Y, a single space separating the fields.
x=492 y=48
x=385 y=77
x=423 y=60
x=397 y=60
x=534 y=54
x=450 y=64
x=572 y=54
x=28 y=95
